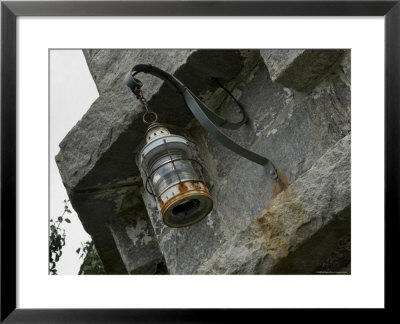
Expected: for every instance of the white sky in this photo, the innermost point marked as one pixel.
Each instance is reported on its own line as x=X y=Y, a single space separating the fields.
x=72 y=91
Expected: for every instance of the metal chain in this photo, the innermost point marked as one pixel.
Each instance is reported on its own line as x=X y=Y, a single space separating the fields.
x=139 y=95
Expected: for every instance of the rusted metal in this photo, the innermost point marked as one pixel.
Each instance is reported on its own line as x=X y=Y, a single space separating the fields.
x=184 y=199
x=139 y=95
x=186 y=189
x=281 y=184
x=137 y=90
x=194 y=186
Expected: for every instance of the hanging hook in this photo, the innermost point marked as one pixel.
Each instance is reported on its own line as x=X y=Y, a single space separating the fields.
x=206 y=117
x=241 y=109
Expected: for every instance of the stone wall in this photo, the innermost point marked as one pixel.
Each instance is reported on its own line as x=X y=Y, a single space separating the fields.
x=298 y=103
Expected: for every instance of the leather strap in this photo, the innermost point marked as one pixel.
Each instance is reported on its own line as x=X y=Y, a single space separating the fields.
x=206 y=117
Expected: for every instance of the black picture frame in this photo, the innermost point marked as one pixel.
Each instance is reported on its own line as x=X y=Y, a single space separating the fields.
x=11 y=10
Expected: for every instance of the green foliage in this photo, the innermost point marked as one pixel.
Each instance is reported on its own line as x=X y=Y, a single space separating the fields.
x=57 y=238
x=91 y=264
x=91 y=261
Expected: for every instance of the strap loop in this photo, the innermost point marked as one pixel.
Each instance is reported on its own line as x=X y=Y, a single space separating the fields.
x=241 y=108
x=203 y=114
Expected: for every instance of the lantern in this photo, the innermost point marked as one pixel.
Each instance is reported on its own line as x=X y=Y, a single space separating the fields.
x=174 y=178
x=172 y=174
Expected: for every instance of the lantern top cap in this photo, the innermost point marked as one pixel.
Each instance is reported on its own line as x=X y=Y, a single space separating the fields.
x=156 y=130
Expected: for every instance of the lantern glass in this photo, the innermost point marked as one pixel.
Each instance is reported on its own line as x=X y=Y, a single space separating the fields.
x=172 y=173
x=174 y=178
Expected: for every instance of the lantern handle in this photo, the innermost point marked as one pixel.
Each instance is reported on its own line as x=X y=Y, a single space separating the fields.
x=206 y=117
x=134 y=84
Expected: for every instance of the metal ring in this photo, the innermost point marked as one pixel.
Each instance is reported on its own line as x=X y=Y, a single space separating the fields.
x=155 y=117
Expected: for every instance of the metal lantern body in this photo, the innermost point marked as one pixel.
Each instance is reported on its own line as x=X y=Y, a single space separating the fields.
x=174 y=178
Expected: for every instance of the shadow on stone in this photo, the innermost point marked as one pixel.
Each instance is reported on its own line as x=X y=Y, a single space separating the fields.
x=326 y=252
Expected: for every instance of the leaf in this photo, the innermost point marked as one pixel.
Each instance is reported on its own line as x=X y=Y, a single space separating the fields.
x=60 y=219
x=78 y=250
x=67 y=220
x=57 y=257
x=53 y=228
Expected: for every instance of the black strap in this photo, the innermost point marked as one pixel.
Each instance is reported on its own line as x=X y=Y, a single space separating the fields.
x=132 y=83
x=206 y=117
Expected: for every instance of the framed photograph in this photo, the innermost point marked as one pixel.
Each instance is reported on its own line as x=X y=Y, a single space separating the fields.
x=116 y=164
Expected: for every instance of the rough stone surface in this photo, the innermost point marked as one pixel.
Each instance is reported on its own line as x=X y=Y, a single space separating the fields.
x=300 y=69
x=278 y=60
x=107 y=66
x=289 y=219
x=98 y=150
x=96 y=160
x=87 y=147
x=292 y=129
x=136 y=242
x=185 y=248
x=295 y=127
x=325 y=252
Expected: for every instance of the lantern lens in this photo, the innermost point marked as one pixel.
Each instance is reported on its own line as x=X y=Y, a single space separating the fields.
x=168 y=173
x=171 y=176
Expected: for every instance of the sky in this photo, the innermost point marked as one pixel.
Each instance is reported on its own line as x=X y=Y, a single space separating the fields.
x=72 y=91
